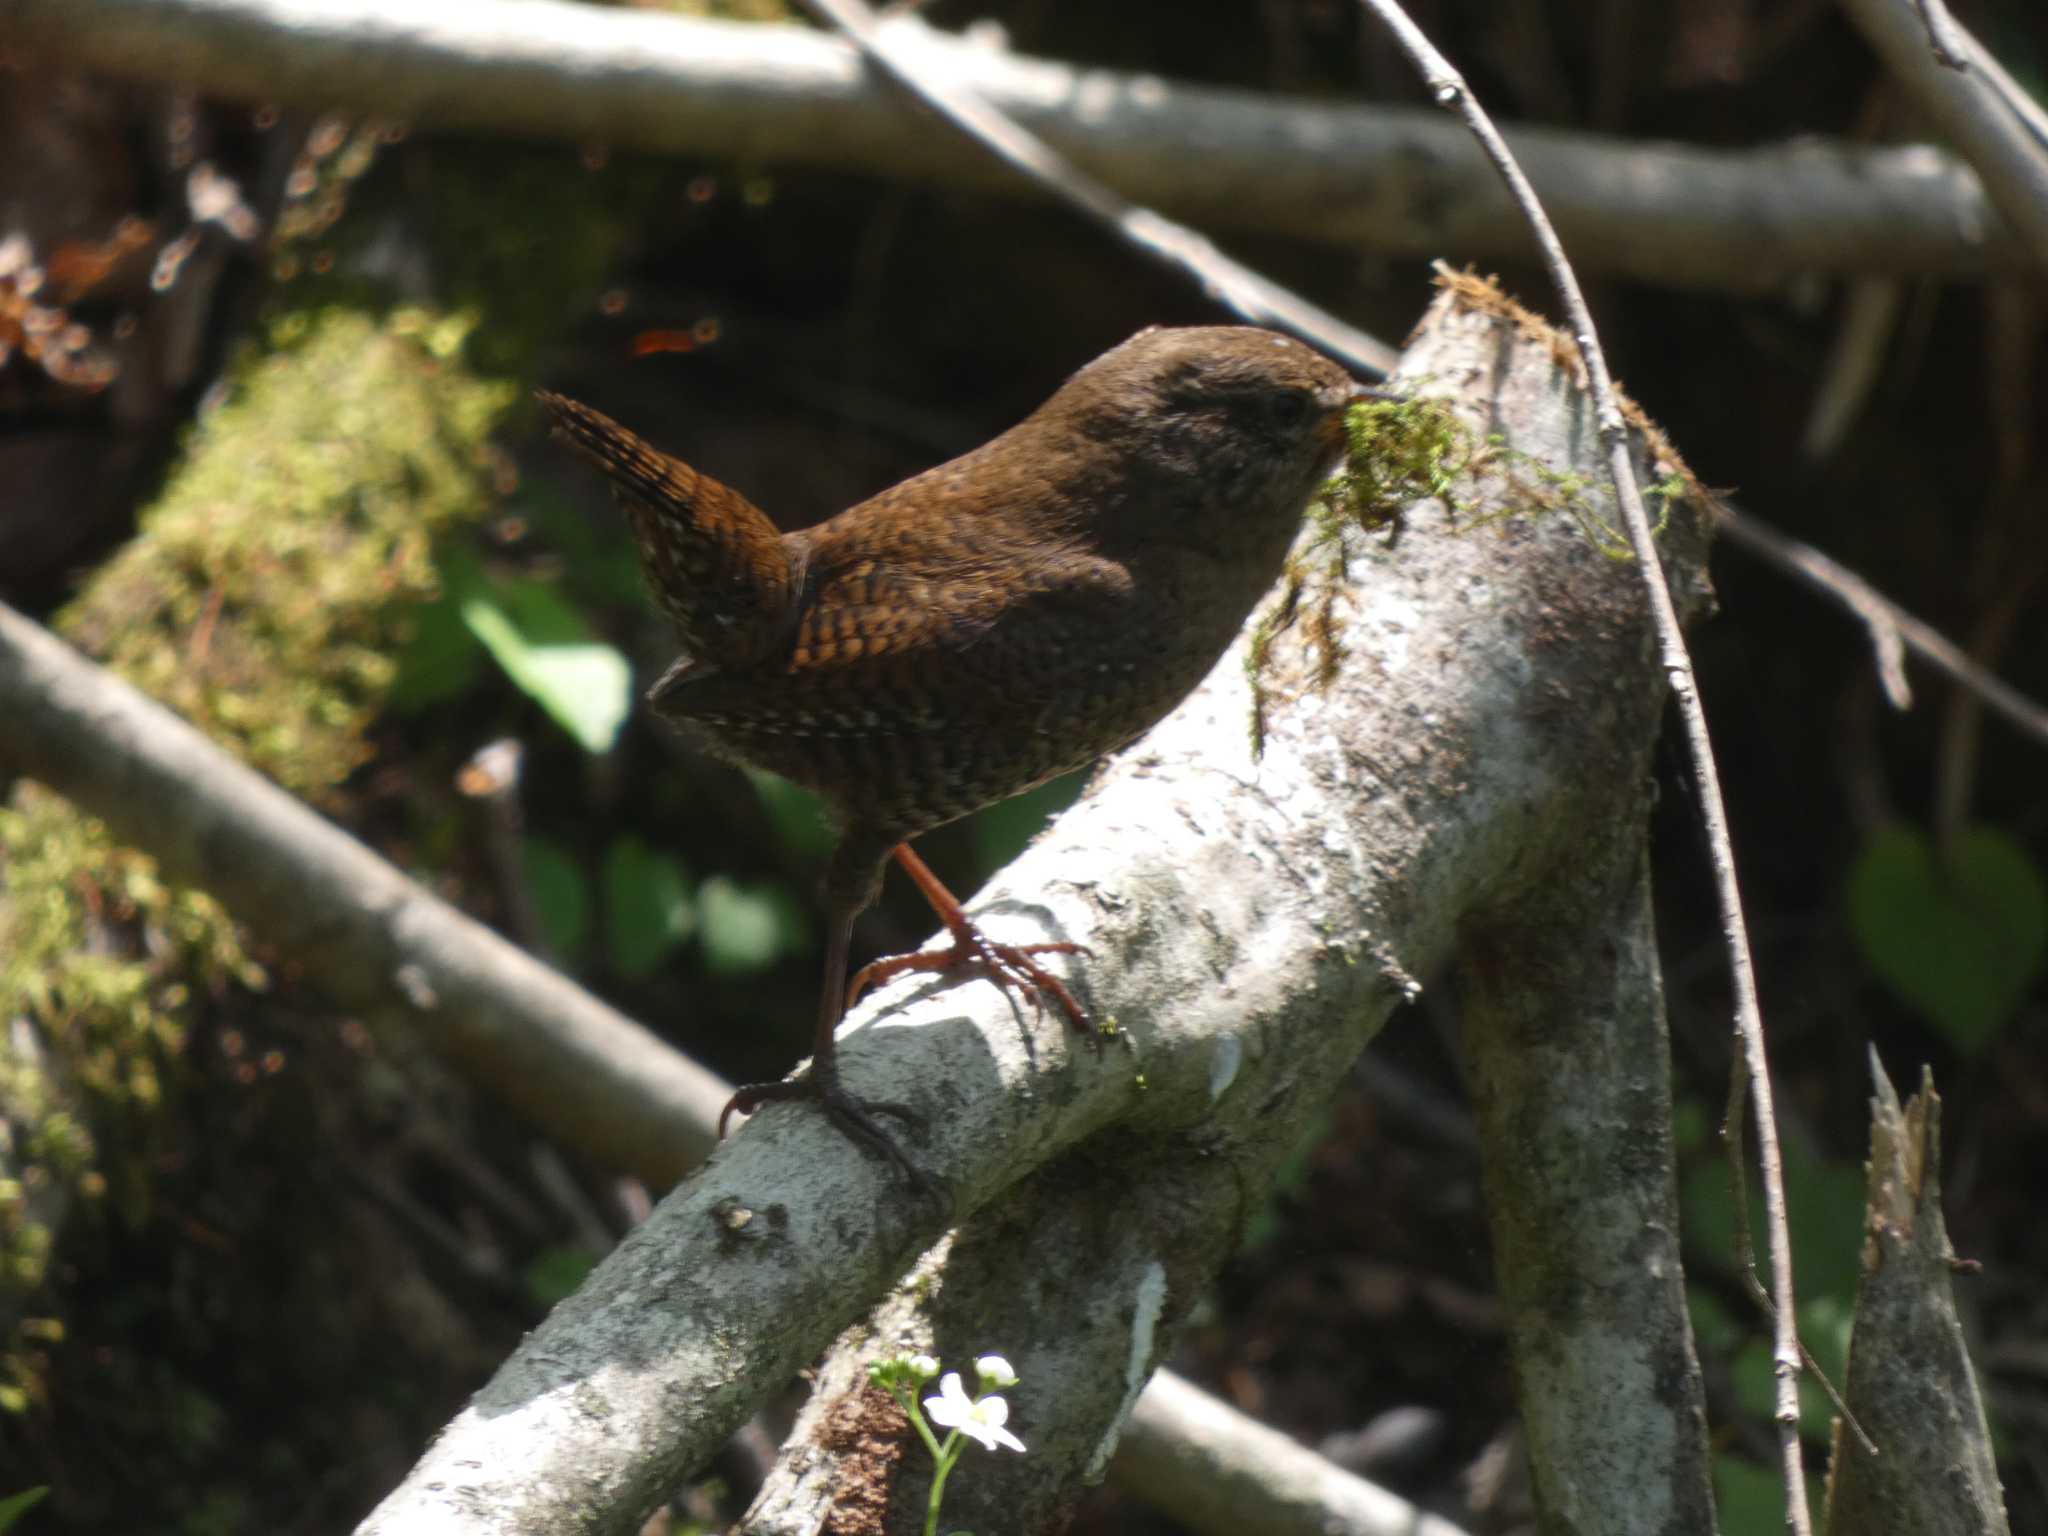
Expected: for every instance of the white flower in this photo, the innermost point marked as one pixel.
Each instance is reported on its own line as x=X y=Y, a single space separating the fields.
x=995 y=1372
x=983 y=1421
x=923 y=1367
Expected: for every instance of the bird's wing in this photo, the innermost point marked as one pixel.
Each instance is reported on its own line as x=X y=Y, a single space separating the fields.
x=892 y=649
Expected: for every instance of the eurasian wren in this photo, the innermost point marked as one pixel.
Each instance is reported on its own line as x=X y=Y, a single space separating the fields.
x=986 y=625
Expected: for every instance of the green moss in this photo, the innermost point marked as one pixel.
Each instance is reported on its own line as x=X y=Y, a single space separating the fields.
x=529 y=239
x=1534 y=488
x=1397 y=452
x=266 y=594
x=262 y=598
x=103 y=957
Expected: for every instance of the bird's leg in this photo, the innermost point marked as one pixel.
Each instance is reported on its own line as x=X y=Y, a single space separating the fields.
x=853 y=1116
x=1009 y=966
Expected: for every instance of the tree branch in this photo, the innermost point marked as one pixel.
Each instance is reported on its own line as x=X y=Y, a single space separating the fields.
x=611 y=1089
x=1362 y=179
x=371 y=938
x=1249 y=295
x=1214 y=1469
x=1966 y=103
x=1891 y=627
x=1585 y=1234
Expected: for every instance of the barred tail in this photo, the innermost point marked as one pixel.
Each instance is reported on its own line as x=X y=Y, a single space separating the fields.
x=717 y=566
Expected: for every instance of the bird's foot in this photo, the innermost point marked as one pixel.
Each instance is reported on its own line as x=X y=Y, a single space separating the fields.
x=854 y=1117
x=974 y=953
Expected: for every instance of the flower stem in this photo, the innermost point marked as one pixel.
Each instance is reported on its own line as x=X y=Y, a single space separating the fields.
x=946 y=1457
x=908 y=1403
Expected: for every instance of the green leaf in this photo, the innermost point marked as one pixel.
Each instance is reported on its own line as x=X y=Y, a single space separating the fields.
x=1691 y=1127
x=799 y=816
x=599 y=557
x=554 y=1273
x=560 y=894
x=1961 y=939
x=1824 y=1204
x=15 y=1505
x=1713 y=1329
x=746 y=928
x=647 y=906
x=440 y=661
x=1004 y=830
x=1751 y=1499
x=550 y=653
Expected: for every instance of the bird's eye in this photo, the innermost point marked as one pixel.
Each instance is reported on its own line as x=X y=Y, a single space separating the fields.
x=1287 y=409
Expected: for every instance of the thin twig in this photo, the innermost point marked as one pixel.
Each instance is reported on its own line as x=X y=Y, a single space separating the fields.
x=1949 y=49
x=1745 y=1264
x=1889 y=624
x=2018 y=100
x=1855 y=365
x=1230 y=283
x=1449 y=91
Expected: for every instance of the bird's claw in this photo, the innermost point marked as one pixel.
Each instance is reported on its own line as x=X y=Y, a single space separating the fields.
x=1009 y=966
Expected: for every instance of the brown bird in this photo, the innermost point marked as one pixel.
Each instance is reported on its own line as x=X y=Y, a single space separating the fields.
x=984 y=626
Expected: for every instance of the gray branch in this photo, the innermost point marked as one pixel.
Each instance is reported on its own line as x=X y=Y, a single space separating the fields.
x=1214 y=1469
x=1401 y=182
x=606 y=1086
x=1253 y=924
x=1581 y=1191
x=369 y=936
x=1967 y=104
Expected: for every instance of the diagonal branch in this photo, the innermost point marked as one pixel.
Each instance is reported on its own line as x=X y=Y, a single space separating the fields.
x=1249 y=295
x=576 y=1067
x=607 y=1087
x=1891 y=627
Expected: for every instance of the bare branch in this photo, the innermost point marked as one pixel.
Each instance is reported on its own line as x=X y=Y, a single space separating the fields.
x=1399 y=181
x=371 y=937
x=1589 y=1267
x=1944 y=37
x=1969 y=106
x=1890 y=625
x=654 y=1111
x=1451 y=92
x=1247 y=294
x=1214 y=1469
